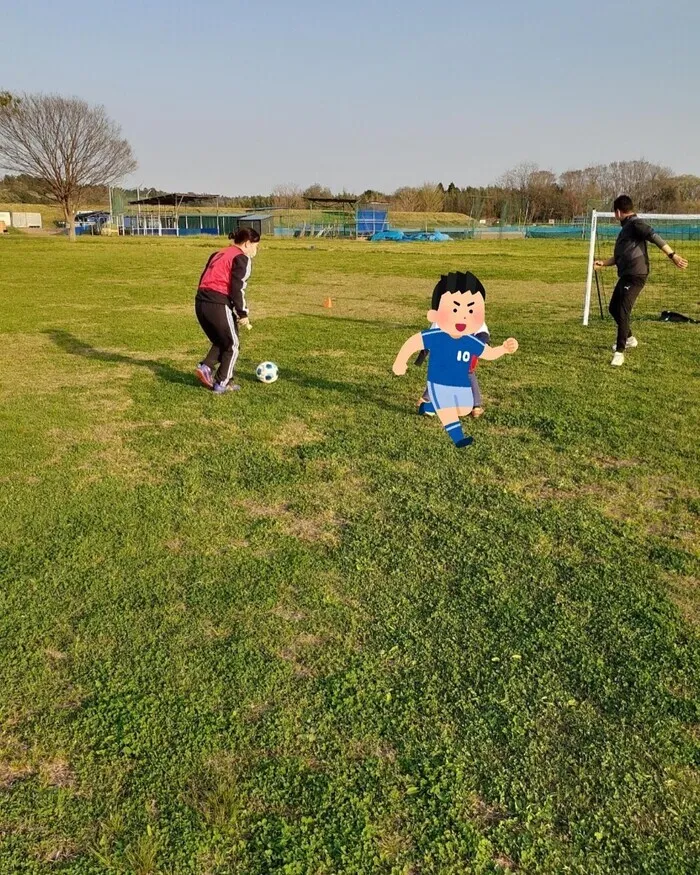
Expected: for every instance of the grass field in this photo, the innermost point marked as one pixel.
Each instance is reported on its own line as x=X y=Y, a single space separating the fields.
x=294 y=630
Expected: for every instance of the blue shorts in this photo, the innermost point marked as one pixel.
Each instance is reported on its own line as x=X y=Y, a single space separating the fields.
x=450 y=396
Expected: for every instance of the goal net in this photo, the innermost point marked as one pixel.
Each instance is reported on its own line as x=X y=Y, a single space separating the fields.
x=667 y=288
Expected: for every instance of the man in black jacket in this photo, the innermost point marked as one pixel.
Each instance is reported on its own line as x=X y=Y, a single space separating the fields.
x=632 y=261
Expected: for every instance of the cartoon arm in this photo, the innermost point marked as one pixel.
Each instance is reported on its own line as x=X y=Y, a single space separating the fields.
x=508 y=347
x=413 y=344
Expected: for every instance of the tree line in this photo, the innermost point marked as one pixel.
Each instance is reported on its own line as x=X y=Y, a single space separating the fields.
x=527 y=194
x=62 y=150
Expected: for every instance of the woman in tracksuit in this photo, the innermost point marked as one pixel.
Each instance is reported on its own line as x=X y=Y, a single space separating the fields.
x=220 y=306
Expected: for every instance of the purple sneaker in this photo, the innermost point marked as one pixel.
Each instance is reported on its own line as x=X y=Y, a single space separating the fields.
x=203 y=374
x=220 y=388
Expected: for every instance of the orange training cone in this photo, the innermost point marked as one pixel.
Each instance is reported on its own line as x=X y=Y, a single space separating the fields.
x=328 y=303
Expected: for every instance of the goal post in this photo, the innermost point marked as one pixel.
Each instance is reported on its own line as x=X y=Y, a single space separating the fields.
x=589 y=275
x=668 y=288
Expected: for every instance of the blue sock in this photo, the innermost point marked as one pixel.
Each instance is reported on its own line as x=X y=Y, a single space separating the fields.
x=454 y=430
x=425 y=408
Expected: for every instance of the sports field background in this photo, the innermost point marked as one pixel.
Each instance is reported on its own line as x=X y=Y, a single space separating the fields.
x=293 y=629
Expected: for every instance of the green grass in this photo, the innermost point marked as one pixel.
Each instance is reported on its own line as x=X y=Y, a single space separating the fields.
x=294 y=630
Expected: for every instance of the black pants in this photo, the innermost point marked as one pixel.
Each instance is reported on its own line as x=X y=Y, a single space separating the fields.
x=624 y=295
x=219 y=324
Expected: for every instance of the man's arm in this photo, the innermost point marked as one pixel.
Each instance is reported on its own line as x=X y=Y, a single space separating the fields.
x=680 y=262
x=413 y=344
x=609 y=262
x=508 y=347
x=645 y=232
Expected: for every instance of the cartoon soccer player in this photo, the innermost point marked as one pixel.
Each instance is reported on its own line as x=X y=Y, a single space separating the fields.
x=425 y=405
x=457 y=309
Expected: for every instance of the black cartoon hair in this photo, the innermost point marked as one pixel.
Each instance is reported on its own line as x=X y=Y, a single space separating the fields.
x=457 y=282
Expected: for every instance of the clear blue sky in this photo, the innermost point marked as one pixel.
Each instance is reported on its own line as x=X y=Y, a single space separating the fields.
x=235 y=96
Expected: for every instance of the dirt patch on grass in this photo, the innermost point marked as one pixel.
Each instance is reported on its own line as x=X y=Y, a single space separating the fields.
x=660 y=505
x=327 y=353
x=484 y=814
x=393 y=841
x=19 y=763
x=371 y=748
x=11 y=773
x=296 y=653
x=288 y=614
x=685 y=594
x=60 y=371
x=610 y=462
x=295 y=433
x=57 y=773
x=109 y=441
x=56 y=850
x=314 y=528
x=256 y=710
x=15 y=760
x=214 y=632
x=513 y=431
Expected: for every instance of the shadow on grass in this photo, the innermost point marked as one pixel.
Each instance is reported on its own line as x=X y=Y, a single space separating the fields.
x=353 y=390
x=74 y=346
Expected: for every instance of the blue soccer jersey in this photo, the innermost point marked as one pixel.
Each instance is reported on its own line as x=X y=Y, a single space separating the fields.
x=448 y=362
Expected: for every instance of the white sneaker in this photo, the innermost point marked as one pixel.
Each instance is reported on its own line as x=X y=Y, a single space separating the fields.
x=618 y=359
x=632 y=342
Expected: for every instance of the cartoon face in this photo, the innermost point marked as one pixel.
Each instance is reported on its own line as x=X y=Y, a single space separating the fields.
x=459 y=313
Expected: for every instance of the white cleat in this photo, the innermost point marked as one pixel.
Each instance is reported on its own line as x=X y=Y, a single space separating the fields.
x=618 y=359
x=632 y=342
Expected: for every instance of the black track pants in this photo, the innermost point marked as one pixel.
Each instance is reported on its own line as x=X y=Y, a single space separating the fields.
x=624 y=295
x=219 y=325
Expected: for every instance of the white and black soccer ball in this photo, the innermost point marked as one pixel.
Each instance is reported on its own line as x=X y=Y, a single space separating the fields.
x=267 y=372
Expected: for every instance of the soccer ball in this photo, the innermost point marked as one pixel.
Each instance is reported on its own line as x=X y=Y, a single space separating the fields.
x=267 y=372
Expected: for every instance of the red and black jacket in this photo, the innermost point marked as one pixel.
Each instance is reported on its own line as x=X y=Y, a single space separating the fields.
x=224 y=280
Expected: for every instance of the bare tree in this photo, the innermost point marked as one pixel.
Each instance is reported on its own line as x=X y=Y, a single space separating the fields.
x=287 y=197
x=405 y=199
x=66 y=142
x=431 y=198
x=516 y=183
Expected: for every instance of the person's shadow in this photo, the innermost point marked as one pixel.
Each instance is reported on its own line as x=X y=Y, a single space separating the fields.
x=74 y=346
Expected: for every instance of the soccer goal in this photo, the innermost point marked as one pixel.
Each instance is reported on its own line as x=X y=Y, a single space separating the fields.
x=667 y=288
